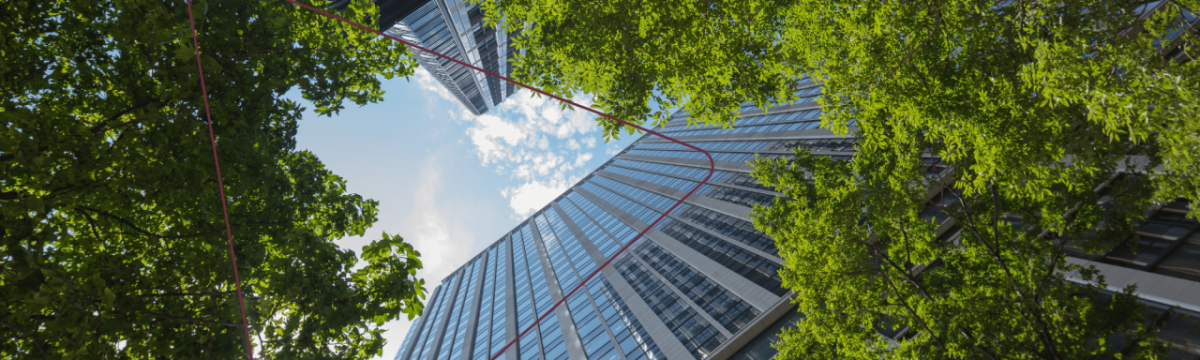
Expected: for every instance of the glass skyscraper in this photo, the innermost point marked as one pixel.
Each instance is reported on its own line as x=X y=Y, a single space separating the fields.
x=703 y=283
x=454 y=28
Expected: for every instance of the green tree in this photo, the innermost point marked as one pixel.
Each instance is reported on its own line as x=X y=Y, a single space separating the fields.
x=1033 y=93
x=1032 y=105
x=112 y=237
x=862 y=255
x=707 y=57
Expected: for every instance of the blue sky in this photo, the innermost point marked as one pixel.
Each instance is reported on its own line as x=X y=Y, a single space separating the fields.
x=449 y=182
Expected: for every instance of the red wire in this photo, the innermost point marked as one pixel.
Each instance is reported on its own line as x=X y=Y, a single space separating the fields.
x=220 y=186
x=711 y=163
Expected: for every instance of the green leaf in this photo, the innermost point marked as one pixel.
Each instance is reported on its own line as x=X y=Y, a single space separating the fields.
x=33 y=203
x=185 y=53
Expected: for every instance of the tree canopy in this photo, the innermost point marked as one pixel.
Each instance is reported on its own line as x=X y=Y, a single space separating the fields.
x=1031 y=106
x=112 y=237
x=708 y=57
x=866 y=253
x=1031 y=94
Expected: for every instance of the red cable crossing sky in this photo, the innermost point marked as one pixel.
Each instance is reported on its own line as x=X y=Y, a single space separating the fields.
x=212 y=140
x=711 y=163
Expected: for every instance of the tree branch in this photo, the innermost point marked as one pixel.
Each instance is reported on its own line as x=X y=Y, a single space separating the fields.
x=971 y=225
x=1051 y=271
x=239 y=57
x=907 y=274
x=1043 y=329
x=92 y=222
x=909 y=277
x=19 y=163
x=191 y=320
x=131 y=122
x=100 y=127
x=937 y=25
x=200 y=293
x=913 y=313
x=35 y=341
x=996 y=221
x=147 y=233
x=907 y=249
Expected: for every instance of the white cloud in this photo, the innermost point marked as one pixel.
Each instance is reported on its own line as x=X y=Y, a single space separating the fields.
x=534 y=195
x=534 y=140
x=434 y=226
x=582 y=159
x=493 y=136
x=429 y=83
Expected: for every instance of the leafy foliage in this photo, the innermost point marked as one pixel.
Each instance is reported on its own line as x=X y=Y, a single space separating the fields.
x=113 y=241
x=1032 y=106
x=862 y=255
x=1029 y=95
x=707 y=57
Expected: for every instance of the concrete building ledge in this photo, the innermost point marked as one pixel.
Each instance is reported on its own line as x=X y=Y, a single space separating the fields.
x=1150 y=286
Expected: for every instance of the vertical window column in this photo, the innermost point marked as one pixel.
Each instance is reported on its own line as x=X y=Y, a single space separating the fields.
x=499 y=299
x=452 y=344
x=414 y=333
x=632 y=338
x=604 y=243
x=552 y=336
x=530 y=345
x=454 y=310
x=440 y=315
x=483 y=326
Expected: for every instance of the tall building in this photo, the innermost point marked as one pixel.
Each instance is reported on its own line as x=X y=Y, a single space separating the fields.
x=703 y=283
x=454 y=28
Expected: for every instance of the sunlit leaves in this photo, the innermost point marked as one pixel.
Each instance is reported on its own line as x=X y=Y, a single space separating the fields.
x=1012 y=87
x=1033 y=105
x=703 y=56
x=861 y=255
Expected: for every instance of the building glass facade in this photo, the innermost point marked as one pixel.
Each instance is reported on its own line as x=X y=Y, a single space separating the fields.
x=454 y=28
x=703 y=283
